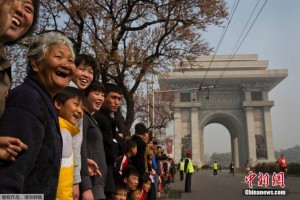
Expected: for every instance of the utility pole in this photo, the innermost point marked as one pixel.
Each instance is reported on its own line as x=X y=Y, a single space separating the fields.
x=150 y=90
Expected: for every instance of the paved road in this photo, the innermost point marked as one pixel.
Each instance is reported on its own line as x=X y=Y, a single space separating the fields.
x=205 y=186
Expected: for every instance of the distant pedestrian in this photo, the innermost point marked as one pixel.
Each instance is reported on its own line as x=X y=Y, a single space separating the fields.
x=188 y=169
x=282 y=163
x=220 y=167
x=215 y=168
x=248 y=166
x=181 y=169
x=231 y=167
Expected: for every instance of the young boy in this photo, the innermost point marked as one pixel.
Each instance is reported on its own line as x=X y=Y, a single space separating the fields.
x=131 y=179
x=69 y=104
x=123 y=161
x=136 y=194
x=121 y=192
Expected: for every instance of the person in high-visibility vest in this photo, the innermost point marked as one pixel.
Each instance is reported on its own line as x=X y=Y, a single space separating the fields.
x=181 y=169
x=188 y=169
x=215 y=168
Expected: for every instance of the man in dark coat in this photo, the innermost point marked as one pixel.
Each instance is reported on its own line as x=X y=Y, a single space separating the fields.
x=141 y=138
x=111 y=104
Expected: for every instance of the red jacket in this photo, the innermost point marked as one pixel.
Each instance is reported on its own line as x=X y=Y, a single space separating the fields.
x=282 y=162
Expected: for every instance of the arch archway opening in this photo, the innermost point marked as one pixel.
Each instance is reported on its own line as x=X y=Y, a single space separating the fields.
x=217 y=144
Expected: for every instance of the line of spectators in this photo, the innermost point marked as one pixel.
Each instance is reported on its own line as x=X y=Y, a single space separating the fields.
x=58 y=136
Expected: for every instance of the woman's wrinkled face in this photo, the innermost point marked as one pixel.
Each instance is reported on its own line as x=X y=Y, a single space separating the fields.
x=21 y=20
x=56 y=69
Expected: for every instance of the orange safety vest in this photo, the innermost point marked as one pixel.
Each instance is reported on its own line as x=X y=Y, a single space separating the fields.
x=282 y=162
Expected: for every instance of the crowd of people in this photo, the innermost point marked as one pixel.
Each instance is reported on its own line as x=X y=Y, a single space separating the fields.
x=58 y=136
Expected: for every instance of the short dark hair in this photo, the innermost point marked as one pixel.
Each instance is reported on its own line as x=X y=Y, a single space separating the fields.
x=145 y=179
x=129 y=144
x=120 y=185
x=154 y=142
x=140 y=129
x=69 y=93
x=86 y=59
x=111 y=87
x=95 y=86
x=130 y=171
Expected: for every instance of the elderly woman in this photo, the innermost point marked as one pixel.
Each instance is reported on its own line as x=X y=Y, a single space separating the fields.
x=31 y=116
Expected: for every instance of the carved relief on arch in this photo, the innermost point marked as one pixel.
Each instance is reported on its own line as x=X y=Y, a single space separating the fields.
x=261 y=151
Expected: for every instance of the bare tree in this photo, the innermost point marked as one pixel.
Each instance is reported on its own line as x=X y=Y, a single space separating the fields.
x=155 y=112
x=133 y=38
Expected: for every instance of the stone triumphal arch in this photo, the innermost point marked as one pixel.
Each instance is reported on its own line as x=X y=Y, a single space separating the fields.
x=239 y=101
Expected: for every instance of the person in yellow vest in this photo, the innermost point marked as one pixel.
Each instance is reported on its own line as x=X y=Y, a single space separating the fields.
x=215 y=168
x=181 y=169
x=188 y=169
x=69 y=105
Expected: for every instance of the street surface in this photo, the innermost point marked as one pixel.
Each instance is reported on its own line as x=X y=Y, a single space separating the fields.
x=205 y=186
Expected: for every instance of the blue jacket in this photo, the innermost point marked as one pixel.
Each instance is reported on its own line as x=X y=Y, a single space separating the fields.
x=30 y=115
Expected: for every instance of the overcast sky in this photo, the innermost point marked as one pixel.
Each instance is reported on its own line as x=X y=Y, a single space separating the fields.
x=275 y=37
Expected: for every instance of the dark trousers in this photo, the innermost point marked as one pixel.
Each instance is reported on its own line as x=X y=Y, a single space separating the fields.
x=188 y=182
x=215 y=172
x=284 y=170
x=152 y=192
x=232 y=171
x=181 y=175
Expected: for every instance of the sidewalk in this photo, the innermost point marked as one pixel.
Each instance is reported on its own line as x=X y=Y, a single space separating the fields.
x=175 y=190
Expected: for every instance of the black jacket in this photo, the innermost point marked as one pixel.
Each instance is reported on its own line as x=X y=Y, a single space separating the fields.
x=30 y=115
x=110 y=146
x=138 y=161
